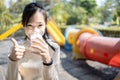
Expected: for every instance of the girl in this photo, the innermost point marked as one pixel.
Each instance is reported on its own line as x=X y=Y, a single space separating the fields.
x=37 y=58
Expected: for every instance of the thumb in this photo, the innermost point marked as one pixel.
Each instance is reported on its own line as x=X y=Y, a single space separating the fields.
x=14 y=42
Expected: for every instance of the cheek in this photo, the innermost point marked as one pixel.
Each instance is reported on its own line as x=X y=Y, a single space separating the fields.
x=27 y=32
x=43 y=30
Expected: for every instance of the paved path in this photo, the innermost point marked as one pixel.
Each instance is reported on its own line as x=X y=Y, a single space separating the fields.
x=69 y=69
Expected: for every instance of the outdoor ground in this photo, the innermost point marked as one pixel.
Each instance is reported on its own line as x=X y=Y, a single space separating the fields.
x=69 y=69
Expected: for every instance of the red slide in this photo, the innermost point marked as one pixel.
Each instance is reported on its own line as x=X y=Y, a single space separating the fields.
x=99 y=48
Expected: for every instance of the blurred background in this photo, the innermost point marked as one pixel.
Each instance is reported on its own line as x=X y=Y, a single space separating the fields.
x=103 y=15
x=67 y=21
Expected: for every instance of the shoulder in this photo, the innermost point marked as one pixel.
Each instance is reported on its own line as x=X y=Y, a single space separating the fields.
x=53 y=43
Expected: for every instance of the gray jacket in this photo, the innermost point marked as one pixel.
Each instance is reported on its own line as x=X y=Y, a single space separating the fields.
x=31 y=66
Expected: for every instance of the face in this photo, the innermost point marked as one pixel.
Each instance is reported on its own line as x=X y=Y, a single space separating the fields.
x=35 y=23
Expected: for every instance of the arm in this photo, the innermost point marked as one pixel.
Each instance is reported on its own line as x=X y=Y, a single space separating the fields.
x=43 y=50
x=16 y=54
x=51 y=72
x=12 y=71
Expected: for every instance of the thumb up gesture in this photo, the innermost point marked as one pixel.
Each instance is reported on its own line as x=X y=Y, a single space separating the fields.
x=17 y=51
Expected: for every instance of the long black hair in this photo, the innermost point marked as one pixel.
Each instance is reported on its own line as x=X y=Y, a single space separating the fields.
x=28 y=11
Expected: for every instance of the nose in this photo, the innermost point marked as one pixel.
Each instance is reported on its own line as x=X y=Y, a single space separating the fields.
x=36 y=29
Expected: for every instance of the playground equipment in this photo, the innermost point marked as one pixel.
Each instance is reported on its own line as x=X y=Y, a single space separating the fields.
x=51 y=28
x=10 y=31
x=55 y=33
x=90 y=44
x=69 y=35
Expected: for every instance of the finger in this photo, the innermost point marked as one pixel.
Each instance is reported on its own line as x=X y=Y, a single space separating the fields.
x=19 y=54
x=19 y=57
x=38 y=43
x=19 y=50
x=14 y=42
x=38 y=51
x=19 y=46
x=41 y=40
x=38 y=48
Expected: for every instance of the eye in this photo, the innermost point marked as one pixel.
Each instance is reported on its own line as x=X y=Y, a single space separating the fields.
x=29 y=26
x=39 y=25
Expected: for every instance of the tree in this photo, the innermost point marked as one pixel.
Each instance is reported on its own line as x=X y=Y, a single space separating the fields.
x=5 y=17
x=58 y=13
x=77 y=15
x=88 y=5
x=109 y=9
x=80 y=11
x=18 y=6
x=16 y=9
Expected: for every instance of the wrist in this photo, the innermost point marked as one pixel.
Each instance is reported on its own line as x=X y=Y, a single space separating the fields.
x=48 y=64
x=46 y=59
x=12 y=59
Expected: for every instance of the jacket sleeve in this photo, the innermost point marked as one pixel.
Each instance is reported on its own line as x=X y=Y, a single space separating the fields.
x=51 y=72
x=12 y=71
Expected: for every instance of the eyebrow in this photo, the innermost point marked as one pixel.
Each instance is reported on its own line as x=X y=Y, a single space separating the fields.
x=29 y=25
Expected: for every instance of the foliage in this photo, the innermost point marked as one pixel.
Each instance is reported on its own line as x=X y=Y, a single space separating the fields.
x=110 y=11
x=64 y=12
x=74 y=11
x=77 y=16
x=59 y=14
x=5 y=18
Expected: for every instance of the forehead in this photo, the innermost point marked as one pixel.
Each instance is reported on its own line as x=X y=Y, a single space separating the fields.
x=37 y=17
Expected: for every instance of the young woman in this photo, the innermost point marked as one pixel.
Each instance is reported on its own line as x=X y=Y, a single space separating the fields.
x=37 y=58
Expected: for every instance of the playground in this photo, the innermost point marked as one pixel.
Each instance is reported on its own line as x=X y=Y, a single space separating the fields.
x=85 y=54
x=88 y=35
x=69 y=69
